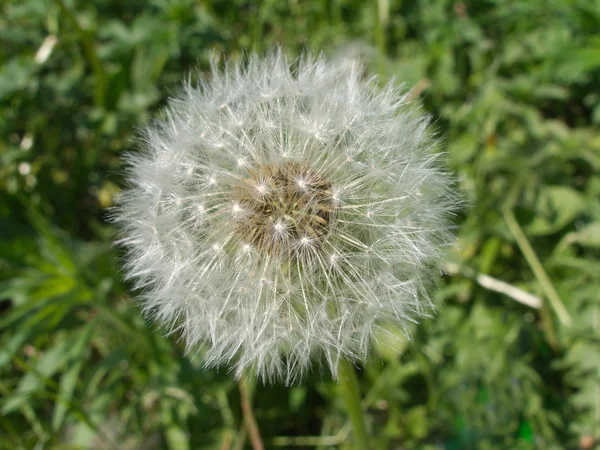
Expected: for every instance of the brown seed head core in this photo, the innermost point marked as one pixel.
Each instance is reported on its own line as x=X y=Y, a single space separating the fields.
x=285 y=206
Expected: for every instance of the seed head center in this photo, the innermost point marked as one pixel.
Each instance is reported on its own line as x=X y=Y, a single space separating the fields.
x=285 y=205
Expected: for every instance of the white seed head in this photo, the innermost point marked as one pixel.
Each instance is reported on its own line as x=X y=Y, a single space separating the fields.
x=283 y=212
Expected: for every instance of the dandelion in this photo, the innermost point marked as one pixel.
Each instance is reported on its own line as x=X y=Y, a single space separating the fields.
x=283 y=213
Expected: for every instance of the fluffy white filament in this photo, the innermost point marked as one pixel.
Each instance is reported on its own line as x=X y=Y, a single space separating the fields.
x=282 y=212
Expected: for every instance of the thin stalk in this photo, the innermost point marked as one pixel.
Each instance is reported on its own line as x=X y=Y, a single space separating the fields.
x=537 y=268
x=228 y=419
x=381 y=25
x=240 y=439
x=351 y=393
x=89 y=51
x=249 y=420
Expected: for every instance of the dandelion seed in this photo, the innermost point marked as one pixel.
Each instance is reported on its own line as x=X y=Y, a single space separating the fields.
x=295 y=209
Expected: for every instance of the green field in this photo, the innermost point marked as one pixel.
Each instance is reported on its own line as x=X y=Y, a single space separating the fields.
x=513 y=87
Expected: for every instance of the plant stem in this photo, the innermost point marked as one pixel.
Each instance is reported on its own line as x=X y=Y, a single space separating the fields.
x=228 y=420
x=537 y=268
x=383 y=17
x=89 y=51
x=249 y=420
x=351 y=393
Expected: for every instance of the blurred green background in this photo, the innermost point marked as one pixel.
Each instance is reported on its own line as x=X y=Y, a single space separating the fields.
x=514 y=88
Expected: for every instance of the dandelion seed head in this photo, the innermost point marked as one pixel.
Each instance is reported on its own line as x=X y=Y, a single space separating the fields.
x=281 y=212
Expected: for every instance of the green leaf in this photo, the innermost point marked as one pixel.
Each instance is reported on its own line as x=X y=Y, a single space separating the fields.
x=65 y=394
x=52 y=360
x=71 y=376
x=175 y=431
x=36 y=378
x=14 y=343
x=556 y=207
x=177 y=437
x=588 y=236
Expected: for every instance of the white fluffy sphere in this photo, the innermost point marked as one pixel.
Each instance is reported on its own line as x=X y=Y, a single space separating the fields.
x=282 y=212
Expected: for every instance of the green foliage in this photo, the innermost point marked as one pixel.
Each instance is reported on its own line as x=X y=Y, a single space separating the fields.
x=514 y=87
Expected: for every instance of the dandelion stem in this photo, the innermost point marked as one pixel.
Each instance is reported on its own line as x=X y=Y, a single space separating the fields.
x=249 y=420
x=351 y=393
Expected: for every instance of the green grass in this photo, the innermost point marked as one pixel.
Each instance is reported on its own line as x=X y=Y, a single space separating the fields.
x=514 y=87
